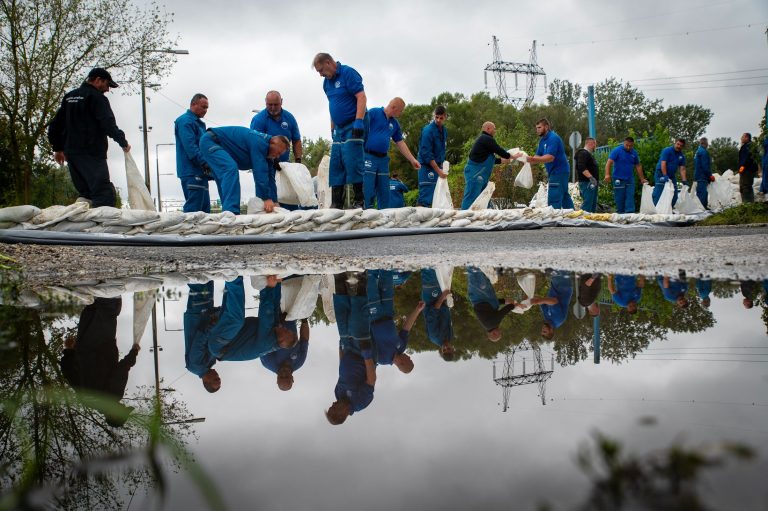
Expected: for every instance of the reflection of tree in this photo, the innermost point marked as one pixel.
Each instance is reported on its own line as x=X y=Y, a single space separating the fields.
x=51 y=440
x=623 y=335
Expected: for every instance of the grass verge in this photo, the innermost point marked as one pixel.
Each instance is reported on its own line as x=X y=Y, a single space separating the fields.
x=749 y=213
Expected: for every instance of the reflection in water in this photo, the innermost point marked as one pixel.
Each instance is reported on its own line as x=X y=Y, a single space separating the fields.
x=381 y=327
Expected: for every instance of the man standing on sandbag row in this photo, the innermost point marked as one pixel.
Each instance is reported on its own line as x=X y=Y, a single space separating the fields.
x=78 y=135
x=383 y=127
x=432 y=144
x=625 y=159
x=482 y=158
x=188 y=128
x=231 y=148
x=551 y=152
x=347 y=102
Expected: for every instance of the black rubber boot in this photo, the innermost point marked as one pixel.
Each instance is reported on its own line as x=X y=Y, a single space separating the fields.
x=358 y=199
x=337 y=197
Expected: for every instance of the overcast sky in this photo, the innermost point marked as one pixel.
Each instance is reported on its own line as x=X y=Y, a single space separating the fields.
x=238 y=51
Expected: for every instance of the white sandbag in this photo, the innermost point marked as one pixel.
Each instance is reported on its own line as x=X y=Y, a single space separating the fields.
x=524 y=178
x=444 y=275
x=664 y=206
x=138 y=195
x=297 y=177
x=142 y=309
x=304 y=300
x=646 y=200
x=441 y=197
x=688 y=203
x=719 y=192
x=446 y=167
x=527 y=283
x=18 y=214
x=484 y=198
x=322 y=181
x=540 y=199
x=327 y=288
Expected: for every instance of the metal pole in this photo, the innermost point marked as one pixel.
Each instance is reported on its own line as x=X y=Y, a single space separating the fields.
x=144 y=124
x=154 y=352
x=157 y=171
x=591 y=110
x=596 y=338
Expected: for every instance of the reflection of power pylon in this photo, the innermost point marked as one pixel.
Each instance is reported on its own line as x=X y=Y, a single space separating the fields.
x=531 y=71
x=512 y=376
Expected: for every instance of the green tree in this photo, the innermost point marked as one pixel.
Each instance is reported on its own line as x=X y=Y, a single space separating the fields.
x=46 y=47
x=725 y=154
x=314 y=150
x=619 y=107
x=686 y=121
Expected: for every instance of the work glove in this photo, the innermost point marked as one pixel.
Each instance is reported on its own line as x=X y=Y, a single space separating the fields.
x=663 y=179
x=366 y=350
x=712 y=178
x=741 y=169
x=297 y=160
x=207 y=170
x=685 y=183
x=357 y=129
x=592 y=182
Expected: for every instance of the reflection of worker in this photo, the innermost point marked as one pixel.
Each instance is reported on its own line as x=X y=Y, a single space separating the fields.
x=389 y=344
x=198 y=359
x=285 y=361
x=90 y=361
x=626 y=290
x=749 y=291
x=485 y=303
x=554 y=306
x=357 y=369
x=437 y=315
x=674 y=290
x=589 y=289
x=704 y=289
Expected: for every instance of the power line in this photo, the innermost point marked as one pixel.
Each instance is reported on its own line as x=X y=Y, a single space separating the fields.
x=703 y=81
x=701 y=360
x=703 y=74
x=658 y=36
x=707 y=87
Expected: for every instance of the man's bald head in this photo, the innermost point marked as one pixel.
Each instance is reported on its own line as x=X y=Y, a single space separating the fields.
x=489 y=128
x=395 y=107
x=274 y=103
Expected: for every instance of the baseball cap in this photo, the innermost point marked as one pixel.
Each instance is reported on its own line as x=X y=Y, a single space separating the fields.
x=99 y=72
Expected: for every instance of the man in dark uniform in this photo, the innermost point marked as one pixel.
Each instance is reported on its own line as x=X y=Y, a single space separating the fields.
x=586 y=174
x=487 y=306
x=747 y=169
x=78 y=135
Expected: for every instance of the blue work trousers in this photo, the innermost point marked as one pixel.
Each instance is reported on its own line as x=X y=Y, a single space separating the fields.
x=658 y=188
x=476 y=176
x=376 y=181
x=427 y=182
x=381 y=294
x=352 y=319
x=557 y=193
x=225 y=172
x=346 y=157
x=479 y=288
x=702 y=193
x=196 y=194
x=588 y=196
x=624 y=195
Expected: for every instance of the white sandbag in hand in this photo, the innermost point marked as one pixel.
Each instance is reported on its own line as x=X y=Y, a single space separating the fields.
x=527 y=283
x=688 y=203
x=484 y=198
x=664 y=206
x=295 y=182
x=138 y=195
x=323 y=182
x=524 y=178
x=441 y=197
x=646 y=201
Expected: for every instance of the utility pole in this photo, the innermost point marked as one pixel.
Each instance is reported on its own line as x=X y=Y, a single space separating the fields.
x=531 y=71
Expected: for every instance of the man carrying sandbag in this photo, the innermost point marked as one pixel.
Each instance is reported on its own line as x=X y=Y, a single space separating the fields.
x=624 y=159
x=231 y=148
x=432 y=144
x=670 y=159
x=78 y=135
x=482 y=158
x=702 y=171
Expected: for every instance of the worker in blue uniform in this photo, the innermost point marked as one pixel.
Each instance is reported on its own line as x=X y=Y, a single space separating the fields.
x=396 y=190
x=286 y=361
x=704 y=289
x=383 y=127
x=231 y=148
x=399 y=278
x=197 y=358
x=437 y=314
x=482 y=158
x=674 y=290
x=670 y=160
x=357 y=368
x=624 y=159
x=626 y=291
x=702 y=171
x=188 y=128
x=551 y=152
x=486 y=304
x=347 y=104
x=389 y=344
x=432 y=145
x=764 y=181
x=554 y=307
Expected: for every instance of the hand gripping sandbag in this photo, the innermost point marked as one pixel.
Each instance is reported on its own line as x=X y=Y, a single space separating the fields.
x=296 y=177
x=138 y=195
x=646 y=201
x=484 y=198
x=441 y=198
x=524 y=178
x=444 y=275
x=664 y=206
x=527 y=283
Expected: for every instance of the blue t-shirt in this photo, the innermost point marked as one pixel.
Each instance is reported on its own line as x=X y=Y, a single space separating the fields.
x=380 y=130
x=249 y=149
x=341 y=90
x=387 y=341
x=432 y=146
x=627 y=290
x=551 y=143
x=673 y=159
x=351 y=384
x=296 y=355
x=561 y=288
x=675 y=289
x=396 y=190
x=624 y=162
x=284 y=124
